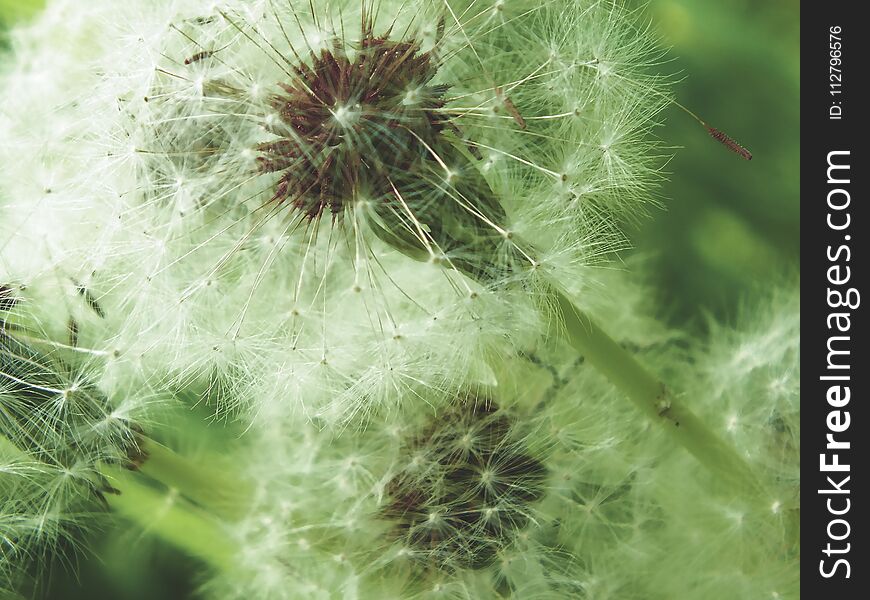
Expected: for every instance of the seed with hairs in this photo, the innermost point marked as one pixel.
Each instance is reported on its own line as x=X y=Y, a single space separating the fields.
x=511 y=108
x=198 y=56
x=90 y=299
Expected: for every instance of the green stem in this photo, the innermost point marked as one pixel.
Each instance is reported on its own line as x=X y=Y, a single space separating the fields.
x=652 y=397
x=217 y=490
x=165 y=514
x=162 y=512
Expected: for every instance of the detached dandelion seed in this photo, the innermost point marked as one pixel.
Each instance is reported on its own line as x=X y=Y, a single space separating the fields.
x=722 y=138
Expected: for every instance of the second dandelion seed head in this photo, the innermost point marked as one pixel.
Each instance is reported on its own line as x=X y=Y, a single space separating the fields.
x=467 y=489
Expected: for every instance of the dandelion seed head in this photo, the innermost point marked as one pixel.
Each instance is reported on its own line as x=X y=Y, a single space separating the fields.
x=293 y=184
x=55 y=430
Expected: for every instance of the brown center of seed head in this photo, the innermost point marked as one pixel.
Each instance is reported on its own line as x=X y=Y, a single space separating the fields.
x=466 y=490
x=349 y=128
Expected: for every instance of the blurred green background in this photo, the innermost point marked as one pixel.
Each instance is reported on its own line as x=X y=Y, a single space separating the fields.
x=12 y=10
x=730 y=226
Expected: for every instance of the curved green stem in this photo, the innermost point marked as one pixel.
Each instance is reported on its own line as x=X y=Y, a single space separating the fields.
x=165 y=514
x=219 y=491
x=651 y=396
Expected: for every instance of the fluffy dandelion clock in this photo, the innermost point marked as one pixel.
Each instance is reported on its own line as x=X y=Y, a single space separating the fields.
x=473 y=501
x=543 y=487
x=750 y=381
x=535 y=487
x=375 y=208
x=56 y=428
x=323 y=201
x=753 y=370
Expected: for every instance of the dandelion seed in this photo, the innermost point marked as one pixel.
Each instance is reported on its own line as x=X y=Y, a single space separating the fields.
x=7 y=298
x=90 y=299
x=722 y=138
